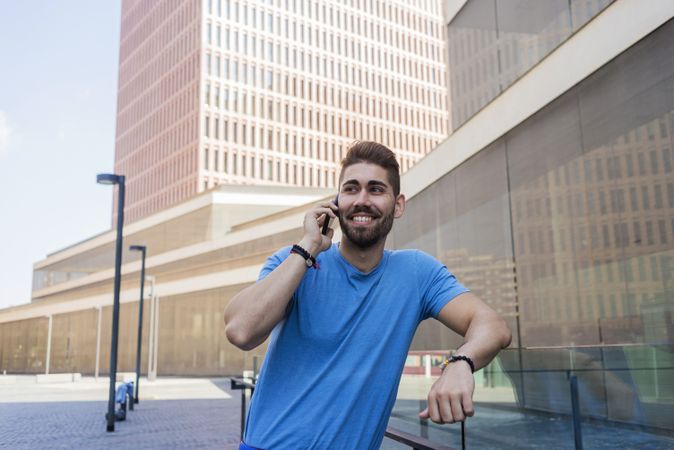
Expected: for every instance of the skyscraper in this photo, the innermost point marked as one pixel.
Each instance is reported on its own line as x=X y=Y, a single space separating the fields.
x=271 y=92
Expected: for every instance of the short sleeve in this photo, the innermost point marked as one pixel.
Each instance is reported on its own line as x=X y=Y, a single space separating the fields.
x=273 y=262
x=438 y=285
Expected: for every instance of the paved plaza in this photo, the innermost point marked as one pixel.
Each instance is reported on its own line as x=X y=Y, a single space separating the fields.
x=172 y=413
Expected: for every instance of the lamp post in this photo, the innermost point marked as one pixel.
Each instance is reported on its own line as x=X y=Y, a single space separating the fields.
x=111 y=179
x=143 y=250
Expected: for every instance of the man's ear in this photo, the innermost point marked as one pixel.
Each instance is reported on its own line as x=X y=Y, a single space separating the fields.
x=399 y=207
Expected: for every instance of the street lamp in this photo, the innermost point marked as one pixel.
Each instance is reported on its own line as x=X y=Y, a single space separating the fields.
x=142 y=249
x=111 y=179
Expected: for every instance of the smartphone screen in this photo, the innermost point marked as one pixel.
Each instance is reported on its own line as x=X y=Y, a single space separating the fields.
x=326 y=224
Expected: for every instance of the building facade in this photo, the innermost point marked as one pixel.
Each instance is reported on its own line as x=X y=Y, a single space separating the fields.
x=569 y=192
x=271 y=92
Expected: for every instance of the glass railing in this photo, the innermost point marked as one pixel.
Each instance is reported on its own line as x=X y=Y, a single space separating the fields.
x=525 y=400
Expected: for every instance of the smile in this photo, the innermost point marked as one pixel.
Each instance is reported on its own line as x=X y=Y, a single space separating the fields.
x=362 y=219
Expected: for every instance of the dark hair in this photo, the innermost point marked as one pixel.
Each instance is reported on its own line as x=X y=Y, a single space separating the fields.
x=374 y=153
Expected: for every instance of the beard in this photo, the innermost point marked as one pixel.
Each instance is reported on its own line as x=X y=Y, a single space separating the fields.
x=366 y=237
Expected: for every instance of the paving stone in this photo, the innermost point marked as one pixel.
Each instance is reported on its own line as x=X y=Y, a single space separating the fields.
x=154 y=424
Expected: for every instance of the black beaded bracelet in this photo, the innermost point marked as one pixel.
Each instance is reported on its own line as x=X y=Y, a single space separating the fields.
x=455 y=358
x=310 y=260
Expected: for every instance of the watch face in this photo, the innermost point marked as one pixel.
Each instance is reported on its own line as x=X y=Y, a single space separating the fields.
x=308 y=261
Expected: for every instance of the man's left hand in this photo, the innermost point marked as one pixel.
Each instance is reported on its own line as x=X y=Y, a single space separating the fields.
x=451 y=397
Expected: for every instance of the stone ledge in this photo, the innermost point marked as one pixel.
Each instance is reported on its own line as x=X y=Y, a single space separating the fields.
x=7 y=379
x=58 y=378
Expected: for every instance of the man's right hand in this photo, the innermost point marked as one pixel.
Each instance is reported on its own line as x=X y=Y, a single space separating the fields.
x=314 y=241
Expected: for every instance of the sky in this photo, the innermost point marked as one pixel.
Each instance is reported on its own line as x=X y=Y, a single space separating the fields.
x=58 y=97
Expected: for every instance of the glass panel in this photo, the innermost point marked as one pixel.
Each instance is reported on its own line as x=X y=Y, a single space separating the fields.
x=548 y=217
x=493 y=42
x=473 y=59
x=582 y=11
x=469 y=232
x=528 y=30
x=627 y=115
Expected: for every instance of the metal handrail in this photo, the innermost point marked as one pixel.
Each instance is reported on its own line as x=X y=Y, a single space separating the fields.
x=414 y=441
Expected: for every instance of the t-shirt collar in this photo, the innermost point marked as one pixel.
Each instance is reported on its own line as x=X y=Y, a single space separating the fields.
x=352 y=270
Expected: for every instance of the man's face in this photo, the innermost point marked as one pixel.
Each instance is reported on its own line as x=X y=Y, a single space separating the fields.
x=367 y=204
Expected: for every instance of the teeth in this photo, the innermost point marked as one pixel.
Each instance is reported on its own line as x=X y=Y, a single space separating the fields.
x=362 y=219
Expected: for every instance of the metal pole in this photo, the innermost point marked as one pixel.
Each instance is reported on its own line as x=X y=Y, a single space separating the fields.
x=150 y=344
x=156 y=335
x=243 y=412
x=140 y=324
x=150 y=350
x=115 y=305
x=98 y=341
x=575 y=408
x=48 y=346
x=423 y=426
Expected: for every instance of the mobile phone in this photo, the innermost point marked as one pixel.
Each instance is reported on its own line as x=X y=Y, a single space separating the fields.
x=326 y=224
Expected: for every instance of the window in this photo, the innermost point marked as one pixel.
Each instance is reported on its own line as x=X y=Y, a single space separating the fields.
x=658 y=196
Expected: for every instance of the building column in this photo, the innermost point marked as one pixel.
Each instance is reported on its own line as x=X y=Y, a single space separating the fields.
x=153 y=337
x=98 y=340
x=48 y=345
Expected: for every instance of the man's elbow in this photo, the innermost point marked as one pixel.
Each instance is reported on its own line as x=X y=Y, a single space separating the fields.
x=506 y=336
x=239 y=338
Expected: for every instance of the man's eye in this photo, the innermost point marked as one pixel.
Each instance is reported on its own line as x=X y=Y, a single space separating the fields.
x=377 y=190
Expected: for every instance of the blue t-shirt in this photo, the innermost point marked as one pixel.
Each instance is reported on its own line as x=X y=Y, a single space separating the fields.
x=330 y=376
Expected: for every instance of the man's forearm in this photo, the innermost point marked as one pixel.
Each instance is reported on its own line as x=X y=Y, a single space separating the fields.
x=487 y=334
x=254 y=312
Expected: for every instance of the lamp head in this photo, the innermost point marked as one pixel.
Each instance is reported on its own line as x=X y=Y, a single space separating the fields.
x=107 y=178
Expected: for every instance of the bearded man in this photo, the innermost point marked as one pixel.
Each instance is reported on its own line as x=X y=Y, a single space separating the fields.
x=341 y=317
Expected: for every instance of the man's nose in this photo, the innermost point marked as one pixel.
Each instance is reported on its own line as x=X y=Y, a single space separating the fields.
x=363 y=198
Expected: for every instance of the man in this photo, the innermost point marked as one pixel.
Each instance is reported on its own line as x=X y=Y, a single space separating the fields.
x=341 y=318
